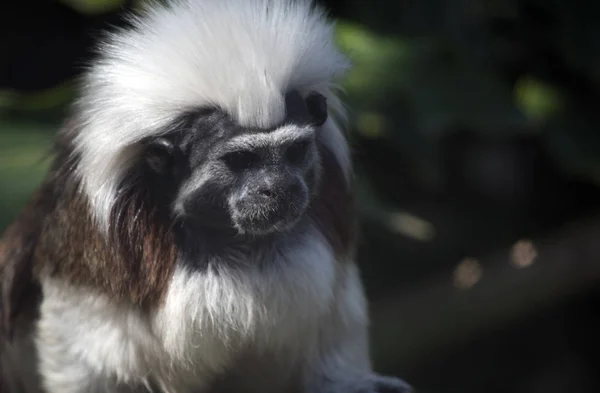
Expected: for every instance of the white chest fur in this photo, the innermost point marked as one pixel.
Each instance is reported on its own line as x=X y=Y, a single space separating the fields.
x=207 y=317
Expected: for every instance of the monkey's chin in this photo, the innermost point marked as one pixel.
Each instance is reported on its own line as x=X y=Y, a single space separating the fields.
x=257 y=225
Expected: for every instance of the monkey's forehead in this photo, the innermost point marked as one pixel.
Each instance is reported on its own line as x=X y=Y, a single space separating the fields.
x=213 y=124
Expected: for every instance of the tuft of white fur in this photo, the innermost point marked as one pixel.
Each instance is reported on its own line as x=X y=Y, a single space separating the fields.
x=271 y=307
x=240 y=55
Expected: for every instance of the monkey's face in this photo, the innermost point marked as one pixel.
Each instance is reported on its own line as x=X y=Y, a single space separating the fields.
x=227 y=176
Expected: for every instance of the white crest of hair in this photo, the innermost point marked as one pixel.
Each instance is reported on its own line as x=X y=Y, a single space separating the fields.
x=240 y=55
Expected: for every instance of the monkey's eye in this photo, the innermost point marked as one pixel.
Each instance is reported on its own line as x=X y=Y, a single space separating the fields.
x=317 y=107
x=161 y=155
x=297 y=151
x=240 y=160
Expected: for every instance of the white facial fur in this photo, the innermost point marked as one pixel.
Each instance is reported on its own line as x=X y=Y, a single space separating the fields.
x=230 y=53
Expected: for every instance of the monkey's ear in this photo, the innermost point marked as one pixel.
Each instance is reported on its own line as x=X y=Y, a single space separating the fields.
x=317 y=107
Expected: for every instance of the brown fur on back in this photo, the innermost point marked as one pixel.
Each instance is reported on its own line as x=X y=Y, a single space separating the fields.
x=17 y=286
x=133 y=263
x=56 y=235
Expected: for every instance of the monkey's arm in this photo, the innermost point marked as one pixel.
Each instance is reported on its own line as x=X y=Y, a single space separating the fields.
x=343 y=364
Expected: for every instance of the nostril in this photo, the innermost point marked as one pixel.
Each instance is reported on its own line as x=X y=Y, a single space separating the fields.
x=265 y=192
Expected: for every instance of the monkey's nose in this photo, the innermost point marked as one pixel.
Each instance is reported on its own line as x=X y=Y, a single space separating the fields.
x=278 y=191
x=265 y=192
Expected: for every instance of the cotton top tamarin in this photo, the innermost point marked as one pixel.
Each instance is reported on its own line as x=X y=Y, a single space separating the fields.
x=196 y=230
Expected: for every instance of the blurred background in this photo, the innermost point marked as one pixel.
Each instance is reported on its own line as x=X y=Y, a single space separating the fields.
x=477 y=146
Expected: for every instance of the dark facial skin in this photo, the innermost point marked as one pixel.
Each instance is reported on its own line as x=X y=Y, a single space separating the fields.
x=212 y=173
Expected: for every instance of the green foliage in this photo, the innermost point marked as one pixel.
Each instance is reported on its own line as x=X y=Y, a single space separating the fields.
x=24 y=147
x=536 y=99
x=93 y=6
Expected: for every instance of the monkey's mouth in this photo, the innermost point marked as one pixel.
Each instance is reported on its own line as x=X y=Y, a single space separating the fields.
x=262 y=219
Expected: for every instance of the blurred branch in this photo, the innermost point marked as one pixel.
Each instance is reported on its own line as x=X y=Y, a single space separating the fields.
x=437 y=315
